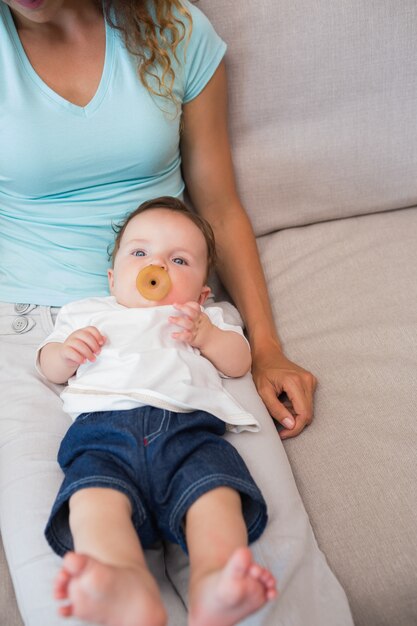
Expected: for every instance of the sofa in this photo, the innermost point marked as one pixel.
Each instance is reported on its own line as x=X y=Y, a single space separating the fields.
x=323 y=120
x=323 y=109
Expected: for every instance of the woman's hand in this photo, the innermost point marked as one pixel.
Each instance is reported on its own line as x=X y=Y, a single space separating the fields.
x=274 y=374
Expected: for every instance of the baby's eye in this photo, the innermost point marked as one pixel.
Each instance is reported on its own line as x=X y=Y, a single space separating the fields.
x=138 y=253
x=179 y=261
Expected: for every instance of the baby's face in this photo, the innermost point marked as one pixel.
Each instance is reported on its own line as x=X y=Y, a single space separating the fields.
x=167 y=239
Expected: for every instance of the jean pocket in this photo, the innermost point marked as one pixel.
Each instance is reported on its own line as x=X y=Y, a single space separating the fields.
x=159 y=427
x=202 y=420
x=85 y=416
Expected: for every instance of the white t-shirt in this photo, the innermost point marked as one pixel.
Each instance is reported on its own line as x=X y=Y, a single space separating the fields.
x=141 y=364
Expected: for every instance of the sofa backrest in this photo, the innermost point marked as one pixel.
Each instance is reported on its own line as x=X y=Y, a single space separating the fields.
x=323 y=106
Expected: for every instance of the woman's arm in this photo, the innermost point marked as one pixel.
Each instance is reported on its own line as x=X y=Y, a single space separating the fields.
x=209 y=175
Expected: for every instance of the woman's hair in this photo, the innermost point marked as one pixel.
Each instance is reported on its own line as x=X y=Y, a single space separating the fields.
x=151 y=36
x=176 y=205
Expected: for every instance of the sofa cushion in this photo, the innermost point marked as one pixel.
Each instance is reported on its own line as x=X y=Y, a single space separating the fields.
x=344 y=294
x=9 y=613
x=322 y=106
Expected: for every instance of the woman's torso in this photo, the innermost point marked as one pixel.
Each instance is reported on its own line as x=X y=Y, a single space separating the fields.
x=67 y=172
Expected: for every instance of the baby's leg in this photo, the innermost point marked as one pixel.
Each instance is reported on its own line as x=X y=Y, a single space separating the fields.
x=225 y=584
x=106 y=580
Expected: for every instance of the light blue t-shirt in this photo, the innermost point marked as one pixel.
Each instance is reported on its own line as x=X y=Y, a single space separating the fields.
x=67 y=173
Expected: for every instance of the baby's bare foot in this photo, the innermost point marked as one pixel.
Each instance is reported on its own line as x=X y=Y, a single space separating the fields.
x=228 y=596
x=108 y=595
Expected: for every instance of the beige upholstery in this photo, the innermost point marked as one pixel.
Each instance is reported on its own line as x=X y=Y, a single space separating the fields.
x=345 y=293
x=323 y=123
x=9 y=614
x=322 y=106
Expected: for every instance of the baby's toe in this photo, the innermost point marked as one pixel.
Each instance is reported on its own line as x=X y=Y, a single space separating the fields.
x=269 y=582
x=268 y=579
x=256 y=571
x=75 y=563
x=264 y=576
x=61 y=585
x=65 y=610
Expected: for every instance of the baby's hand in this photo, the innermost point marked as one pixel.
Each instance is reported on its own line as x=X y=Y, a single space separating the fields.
x=195 y=324
x=82 y=345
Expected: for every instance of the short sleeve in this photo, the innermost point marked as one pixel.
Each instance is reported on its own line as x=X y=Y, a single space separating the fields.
x=216 y=316
x=65 y=324
x=203 y=54
x=63 y=327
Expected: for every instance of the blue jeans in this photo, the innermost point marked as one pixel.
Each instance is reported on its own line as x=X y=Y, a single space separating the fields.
x=163 y=461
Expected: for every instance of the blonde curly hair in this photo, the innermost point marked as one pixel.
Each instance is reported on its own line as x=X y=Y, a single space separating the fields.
x=151 y=36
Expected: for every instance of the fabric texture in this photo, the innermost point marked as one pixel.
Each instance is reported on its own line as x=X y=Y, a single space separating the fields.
x=322 y=106
x=67 y=173
x=9 y=613
x=162 y=461
x=345 y=293
x=141 y=363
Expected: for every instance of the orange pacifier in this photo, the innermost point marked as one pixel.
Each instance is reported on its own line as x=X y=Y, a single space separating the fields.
x=153 y=282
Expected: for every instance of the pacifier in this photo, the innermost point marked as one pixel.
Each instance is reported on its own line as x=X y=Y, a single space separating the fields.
x=153 y=282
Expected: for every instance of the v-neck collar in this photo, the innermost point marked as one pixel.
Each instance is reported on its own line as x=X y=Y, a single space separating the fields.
x=96 y=100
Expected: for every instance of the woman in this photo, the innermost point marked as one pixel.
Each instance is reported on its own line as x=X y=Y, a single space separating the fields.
x=96 y=116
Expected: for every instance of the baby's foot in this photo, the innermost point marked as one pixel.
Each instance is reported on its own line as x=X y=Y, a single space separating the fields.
x=224 y=598
x=108 y=595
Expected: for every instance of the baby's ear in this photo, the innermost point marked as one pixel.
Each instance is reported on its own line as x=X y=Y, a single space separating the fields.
x=110 y=276
x=205 y=293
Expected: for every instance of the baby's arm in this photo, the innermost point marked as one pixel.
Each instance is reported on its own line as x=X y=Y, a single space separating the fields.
x=60 y=361
x=227 y=350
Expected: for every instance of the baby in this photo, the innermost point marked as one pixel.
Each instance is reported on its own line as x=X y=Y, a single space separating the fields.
x=145 y=459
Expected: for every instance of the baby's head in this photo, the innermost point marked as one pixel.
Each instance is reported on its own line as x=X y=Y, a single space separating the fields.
x=165 y=233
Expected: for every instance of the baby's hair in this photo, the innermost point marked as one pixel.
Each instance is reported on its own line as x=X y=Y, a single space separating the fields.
x=176 y=205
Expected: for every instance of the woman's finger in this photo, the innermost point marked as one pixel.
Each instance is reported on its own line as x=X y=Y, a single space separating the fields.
x=301 y=400
x=277 y=410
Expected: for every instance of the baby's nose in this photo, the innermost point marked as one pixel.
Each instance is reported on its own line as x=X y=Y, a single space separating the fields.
x=157 y=260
